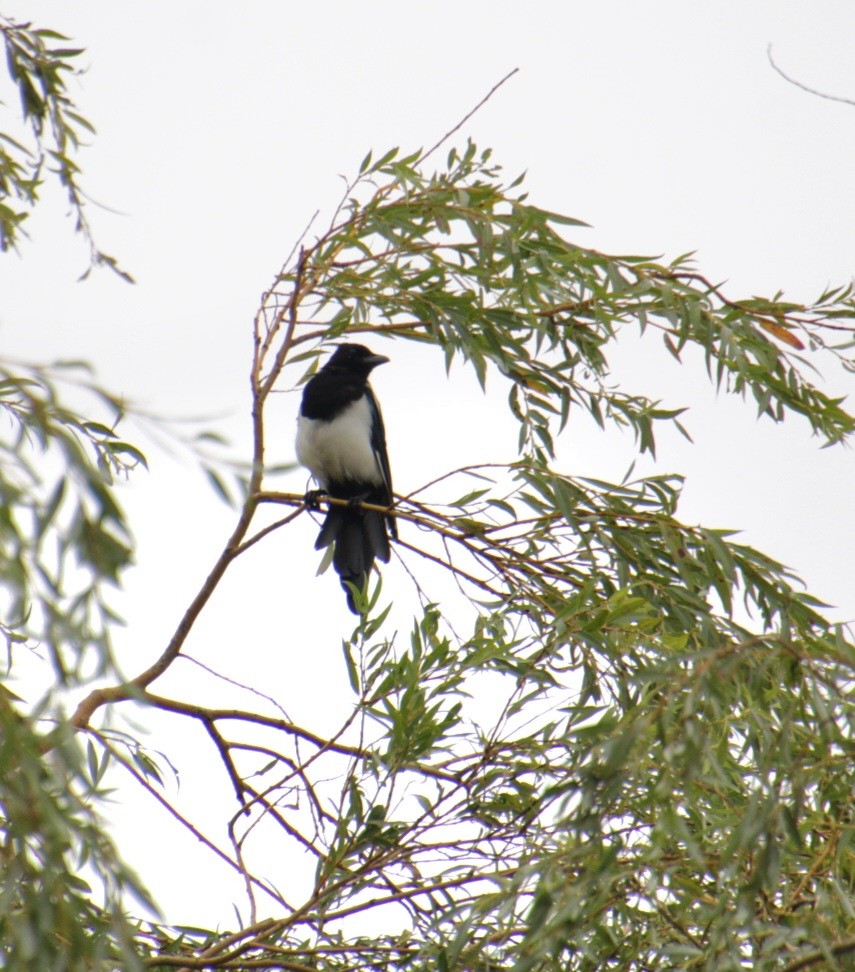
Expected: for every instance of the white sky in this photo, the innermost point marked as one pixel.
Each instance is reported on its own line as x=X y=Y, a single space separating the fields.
x=223 y=127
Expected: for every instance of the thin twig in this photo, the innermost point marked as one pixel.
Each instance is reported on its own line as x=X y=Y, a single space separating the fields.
x=267 y=530
x=182 y=819
x=466 y=118
x=804 y=87
x=241 y=685
x=268 y=807
x=296 y=770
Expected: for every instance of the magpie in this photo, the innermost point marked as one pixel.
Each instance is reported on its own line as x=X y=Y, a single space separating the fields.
x=342 y=442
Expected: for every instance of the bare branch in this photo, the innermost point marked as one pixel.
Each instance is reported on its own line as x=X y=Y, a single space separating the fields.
x=804 y=87
x=466 y=117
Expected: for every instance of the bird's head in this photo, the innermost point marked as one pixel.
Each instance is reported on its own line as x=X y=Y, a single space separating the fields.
x=354 y=359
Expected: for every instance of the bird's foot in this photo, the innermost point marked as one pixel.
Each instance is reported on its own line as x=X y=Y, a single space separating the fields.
x=312 y=497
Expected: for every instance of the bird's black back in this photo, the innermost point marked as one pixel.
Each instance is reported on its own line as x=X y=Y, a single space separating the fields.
x=329 y=392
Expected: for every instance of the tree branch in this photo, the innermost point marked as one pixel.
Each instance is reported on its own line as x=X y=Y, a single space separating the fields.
x=837 y=949
x=183 y=820
x=804 y=87
x=466 y=117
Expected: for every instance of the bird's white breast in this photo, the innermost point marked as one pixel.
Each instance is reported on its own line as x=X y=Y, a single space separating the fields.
x=341 y=448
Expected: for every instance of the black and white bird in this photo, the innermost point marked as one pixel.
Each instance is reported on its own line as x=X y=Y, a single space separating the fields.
x=342 y=442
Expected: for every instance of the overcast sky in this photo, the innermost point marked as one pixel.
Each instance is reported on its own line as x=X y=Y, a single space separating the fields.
x=223 y=127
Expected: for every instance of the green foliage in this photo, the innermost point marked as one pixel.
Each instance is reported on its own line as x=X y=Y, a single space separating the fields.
x=64 y=542
x=458 y=258
x=627 y=746
x=50 y=916
x=636 y=756
x=39 y=64
x=63 y=536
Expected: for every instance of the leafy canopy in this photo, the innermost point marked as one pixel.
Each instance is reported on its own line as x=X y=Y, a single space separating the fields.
x=631 y=748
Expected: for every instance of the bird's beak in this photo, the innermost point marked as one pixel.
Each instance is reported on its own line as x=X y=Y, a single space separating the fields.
x=376 y=359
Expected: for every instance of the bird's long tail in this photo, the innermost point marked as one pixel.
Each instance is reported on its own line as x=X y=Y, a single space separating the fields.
x=360 y=538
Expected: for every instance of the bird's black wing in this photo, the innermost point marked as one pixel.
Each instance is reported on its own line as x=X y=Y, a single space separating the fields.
x=378 y=445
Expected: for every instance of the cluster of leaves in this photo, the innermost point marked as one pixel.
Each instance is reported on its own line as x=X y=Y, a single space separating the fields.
x=63 y=536
x=673 y=811
x=64 y=542
x=690 y=805
x=655 y=783
x=458 y=259
x=50 y=917
x=39 y=64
